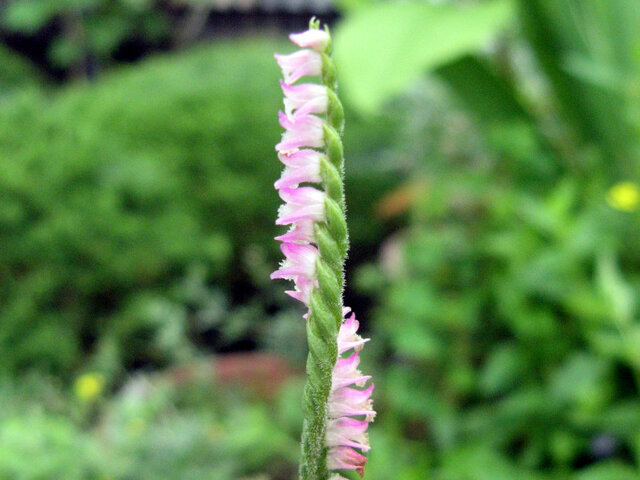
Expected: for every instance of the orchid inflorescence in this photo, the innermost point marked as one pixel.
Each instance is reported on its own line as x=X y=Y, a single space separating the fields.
x=337 y=403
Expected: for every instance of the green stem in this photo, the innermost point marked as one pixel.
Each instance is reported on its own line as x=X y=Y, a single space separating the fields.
x=325 y=306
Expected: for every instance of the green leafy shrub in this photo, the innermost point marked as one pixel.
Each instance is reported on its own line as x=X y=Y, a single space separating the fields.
x=154 y=427
x=113 y=190
x=92 y=29
x=15 y=72
x=507 y=311
x=126 y=200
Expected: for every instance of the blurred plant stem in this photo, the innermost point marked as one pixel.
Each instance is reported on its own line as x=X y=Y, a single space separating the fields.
x=191 y=27
x=75 y=33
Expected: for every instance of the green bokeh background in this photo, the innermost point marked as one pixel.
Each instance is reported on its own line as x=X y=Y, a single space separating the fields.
x=494 y=264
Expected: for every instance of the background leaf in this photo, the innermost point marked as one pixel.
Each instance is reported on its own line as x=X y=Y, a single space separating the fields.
x=382 y=49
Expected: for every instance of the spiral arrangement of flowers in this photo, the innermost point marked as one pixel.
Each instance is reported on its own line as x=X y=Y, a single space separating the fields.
x=337 y=403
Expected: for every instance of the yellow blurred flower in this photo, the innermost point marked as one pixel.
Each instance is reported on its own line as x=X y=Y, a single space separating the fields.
x=624 y=196
x=89 y=386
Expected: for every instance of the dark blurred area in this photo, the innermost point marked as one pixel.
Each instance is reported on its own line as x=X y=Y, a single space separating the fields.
x=73 y=39
x=492 y=161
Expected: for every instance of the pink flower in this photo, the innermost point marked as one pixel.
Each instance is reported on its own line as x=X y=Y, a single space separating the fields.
x=294 y=177
x=348 y=432
x=300 y=158
x=300 y=266
x=301 y=130
x=351 y=401
x=301 y=166
x=346 y=373
x=347 y=337
x=301 y=204
x=313 y=38
x=310 y=95
x=344 y=433
x=299 y=64
x=301 y=232
x=346 y=458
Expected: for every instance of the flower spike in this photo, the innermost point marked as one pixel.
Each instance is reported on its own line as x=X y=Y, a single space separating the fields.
x=345 y=434
x=337 y=401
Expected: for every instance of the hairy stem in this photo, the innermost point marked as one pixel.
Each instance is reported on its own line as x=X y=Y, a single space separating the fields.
x=325 y=308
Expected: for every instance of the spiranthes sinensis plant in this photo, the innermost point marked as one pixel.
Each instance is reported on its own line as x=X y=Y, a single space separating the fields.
x=337 y=403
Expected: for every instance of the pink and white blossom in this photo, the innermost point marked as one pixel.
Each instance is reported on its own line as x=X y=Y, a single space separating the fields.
x=303 y=63
x=313 y=38
x=345 y=434
x=346 y=458
x=292 y=177
x=347 y=337
x=346 y=373
x=301 y=130
x=310 y=95
x=348 y=432
x=300 y=232
x=301 y=158
x=300 y=266
x=301 y=204
x=301 y=166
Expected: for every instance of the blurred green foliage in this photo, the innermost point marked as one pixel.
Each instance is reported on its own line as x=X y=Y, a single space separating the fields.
x=153 y=428
x=86 y=29
x=15 y=72
x=126 y=199
x=452 y=32
x=113 y=191
x=507 y=311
